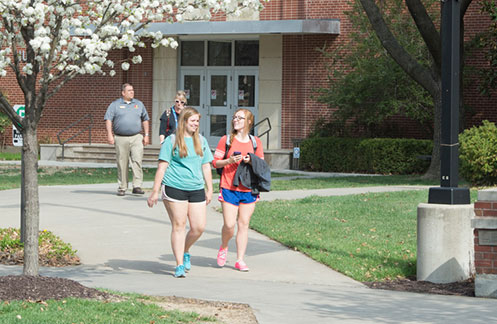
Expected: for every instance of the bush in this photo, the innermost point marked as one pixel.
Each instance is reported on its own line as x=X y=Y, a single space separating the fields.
x=478 y=154
x=377 y=155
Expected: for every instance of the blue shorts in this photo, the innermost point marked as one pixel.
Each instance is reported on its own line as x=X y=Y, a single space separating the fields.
x=237 y=197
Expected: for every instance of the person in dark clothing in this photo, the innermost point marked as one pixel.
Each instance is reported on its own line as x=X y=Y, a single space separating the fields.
x=169 y=118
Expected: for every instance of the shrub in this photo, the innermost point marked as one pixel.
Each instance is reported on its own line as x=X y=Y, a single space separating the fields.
x=478 y=154
x=396 y=156
x=377 y=155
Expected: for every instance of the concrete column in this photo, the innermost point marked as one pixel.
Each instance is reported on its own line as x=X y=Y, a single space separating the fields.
x=270 y=85
x=165 y=81
x=445 y=243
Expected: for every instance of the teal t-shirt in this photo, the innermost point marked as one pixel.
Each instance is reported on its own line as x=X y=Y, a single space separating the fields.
x=184 y=173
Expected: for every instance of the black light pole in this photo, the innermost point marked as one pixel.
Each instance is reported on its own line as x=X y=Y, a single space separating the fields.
x=448 y=192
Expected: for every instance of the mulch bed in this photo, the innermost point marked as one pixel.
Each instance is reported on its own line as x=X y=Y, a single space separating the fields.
x=38 y=288
x=461 y=288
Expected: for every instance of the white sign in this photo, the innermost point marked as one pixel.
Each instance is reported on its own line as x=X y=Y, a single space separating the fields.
x=296 y=152
x=16 y=134
x=16 y=137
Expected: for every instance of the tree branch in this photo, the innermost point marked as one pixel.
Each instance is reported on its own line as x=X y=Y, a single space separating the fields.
x=427 y=29
x=68 y=77
x=419 y=73
x=10 y=112
x=464 y=6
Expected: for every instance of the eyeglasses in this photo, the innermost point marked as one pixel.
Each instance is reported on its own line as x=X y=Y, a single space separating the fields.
x=177 y=101
x=238 y=117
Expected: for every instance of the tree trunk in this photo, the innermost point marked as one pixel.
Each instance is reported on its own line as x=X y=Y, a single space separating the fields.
x=434 y=168
x=31 y=206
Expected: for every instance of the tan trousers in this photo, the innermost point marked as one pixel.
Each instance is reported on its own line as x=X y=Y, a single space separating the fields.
x=129 y=149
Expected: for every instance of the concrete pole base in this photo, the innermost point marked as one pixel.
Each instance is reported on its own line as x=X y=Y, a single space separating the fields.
x=445 y=243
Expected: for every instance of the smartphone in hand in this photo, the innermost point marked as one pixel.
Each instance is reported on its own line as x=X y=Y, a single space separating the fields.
x=237 y=153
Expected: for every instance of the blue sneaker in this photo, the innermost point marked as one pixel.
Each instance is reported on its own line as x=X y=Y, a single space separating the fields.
x=180 y=271
x=186 y=261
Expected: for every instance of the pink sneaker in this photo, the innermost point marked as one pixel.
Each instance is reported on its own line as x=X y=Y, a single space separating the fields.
x=240 y=265
x=221 y=256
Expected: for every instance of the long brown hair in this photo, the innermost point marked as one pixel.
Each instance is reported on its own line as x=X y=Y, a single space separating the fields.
x=179 y=141
x=249 y=122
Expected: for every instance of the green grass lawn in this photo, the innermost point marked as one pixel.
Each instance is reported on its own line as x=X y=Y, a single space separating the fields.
x=10 y=177
x=368 y=237
x=6 y=156
x=130 y=311
x=348 y=182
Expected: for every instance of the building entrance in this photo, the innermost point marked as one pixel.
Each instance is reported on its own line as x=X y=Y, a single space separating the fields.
x=219 y=87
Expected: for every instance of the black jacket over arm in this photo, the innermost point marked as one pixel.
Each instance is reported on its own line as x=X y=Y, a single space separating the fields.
x=256 y=176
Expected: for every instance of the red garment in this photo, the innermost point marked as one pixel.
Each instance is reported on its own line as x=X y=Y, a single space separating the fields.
x=230 y=169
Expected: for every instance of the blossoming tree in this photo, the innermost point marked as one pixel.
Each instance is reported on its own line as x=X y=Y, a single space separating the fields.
x=66 y=38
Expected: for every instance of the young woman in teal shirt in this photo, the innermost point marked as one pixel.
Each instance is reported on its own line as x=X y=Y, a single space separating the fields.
x=184 y=170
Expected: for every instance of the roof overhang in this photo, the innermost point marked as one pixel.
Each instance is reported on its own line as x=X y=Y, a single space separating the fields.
x=249 y=27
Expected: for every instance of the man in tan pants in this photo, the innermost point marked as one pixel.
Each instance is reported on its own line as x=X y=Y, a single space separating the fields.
x=124 y=120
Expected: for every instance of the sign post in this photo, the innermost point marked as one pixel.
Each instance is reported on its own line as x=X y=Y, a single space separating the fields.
x=16 y=134
x=448 y=192
x=17 y=141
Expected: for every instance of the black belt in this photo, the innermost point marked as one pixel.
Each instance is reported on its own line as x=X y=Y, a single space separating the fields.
x=126 y=135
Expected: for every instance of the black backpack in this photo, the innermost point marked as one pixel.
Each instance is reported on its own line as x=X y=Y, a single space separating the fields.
x=254 y=145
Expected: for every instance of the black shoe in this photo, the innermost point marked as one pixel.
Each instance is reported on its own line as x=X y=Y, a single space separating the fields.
x=138 y=190
x=121 y=192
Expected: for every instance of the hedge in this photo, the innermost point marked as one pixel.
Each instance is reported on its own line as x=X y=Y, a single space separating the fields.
x=478 y=154
x=373 y=155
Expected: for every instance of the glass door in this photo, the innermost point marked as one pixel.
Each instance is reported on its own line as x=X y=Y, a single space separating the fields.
x=246 y=85
x=219 y=104
x=192 y=82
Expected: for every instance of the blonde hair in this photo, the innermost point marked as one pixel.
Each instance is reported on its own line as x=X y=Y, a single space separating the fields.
x=179 y=141
x=180 y=94
x=249 y=122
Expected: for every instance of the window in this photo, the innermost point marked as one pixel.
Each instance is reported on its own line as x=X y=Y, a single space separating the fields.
x=219 y=53
x=247 y=53
x=192 y=53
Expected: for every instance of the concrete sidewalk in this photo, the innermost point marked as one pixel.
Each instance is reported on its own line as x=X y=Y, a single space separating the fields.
x=125 y=246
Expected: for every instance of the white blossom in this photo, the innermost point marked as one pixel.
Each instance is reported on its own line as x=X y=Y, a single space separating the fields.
x=125 y=66
x=28 y=69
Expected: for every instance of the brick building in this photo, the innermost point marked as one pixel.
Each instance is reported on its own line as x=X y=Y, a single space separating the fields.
x=267 y=63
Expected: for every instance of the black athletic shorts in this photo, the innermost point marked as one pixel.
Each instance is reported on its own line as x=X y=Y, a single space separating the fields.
x=173 y=194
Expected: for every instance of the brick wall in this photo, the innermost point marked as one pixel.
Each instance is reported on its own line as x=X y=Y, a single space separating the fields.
x=304 y=69
x=92 y=94
x=485 y=255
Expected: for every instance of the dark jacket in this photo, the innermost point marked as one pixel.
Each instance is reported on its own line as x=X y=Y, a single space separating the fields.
x=167 y=122
x=256 y=176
